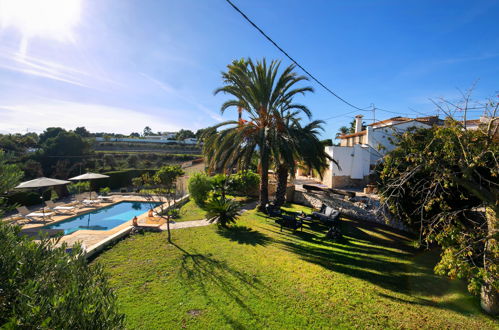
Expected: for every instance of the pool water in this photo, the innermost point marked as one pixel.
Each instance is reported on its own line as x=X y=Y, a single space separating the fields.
x=105 y=218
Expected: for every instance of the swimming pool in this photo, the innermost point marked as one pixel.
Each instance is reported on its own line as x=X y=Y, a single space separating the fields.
x=105 y=218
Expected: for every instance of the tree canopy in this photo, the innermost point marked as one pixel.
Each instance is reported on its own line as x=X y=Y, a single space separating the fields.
x=444 y=182
x=44 y=286
x=184 y=134
x=261 y=93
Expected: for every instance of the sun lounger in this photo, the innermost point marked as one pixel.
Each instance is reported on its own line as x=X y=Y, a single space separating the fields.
x=106 y=199
x=90 y=202
x=82 y=202
x=23 y=211
x=60 y=209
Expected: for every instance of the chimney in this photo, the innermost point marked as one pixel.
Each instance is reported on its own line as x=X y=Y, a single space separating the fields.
x=358 y=123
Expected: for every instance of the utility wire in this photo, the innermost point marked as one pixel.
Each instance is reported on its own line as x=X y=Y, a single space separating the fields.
x=288 y=56
x=308 y=73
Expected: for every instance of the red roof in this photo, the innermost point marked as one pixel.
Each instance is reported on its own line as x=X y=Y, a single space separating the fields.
x=346 y=136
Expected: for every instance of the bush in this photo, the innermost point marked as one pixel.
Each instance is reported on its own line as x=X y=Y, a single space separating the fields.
x=110 y=161
x=174 y=213
x=220 y=184
x=79 y=187
x=43 y=286
x=199 y=187
x=105 y=191
x=244 y=183
x=120 y=179
x=26 y=198
x=133 y=161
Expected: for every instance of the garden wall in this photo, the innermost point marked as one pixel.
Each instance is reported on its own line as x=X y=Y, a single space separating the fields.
x=358 y=208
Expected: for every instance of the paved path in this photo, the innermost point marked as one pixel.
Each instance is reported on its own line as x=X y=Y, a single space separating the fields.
x=204 y=222
x=187 y=224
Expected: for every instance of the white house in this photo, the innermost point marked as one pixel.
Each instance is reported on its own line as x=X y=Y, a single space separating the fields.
x=190 y=141
x=360 y=151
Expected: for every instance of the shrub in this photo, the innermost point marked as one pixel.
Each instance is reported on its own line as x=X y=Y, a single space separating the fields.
x=110 y=161
x=244 y=183
x=199 y=187
x=26 y=198
x=43 y=286
x=133 y=161
x=78 y=187
x=119 y=179
x=105 y=191
x=223 y=211
x=174 y=213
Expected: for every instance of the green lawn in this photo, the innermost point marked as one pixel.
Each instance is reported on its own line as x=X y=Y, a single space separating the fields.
x=255 y=276
x=190 y=211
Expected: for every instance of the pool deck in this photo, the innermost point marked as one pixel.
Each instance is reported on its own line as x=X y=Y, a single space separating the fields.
x=96 y=240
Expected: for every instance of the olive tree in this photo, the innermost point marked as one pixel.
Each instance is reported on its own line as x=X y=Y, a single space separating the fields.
x=444 y=182
x=164 y=189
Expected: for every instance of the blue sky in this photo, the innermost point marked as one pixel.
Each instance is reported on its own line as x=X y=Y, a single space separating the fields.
x=117 y=65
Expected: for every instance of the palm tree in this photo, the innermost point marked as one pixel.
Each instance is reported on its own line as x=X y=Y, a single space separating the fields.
x=342 y=131
x=223 y=211
x=259 y=92
x=292 y=144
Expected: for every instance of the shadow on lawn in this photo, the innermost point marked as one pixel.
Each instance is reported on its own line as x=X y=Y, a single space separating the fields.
x=244 y=235
x=459 y=305
x=204 y=272
x=377 y=258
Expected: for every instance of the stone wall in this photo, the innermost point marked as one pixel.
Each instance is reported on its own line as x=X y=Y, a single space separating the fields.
x=342 y=181
x=358 y=208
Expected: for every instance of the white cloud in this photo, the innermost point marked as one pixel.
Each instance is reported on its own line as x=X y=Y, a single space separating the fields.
x=36 y=66
x=160 y=84
x=170 y=90
x=214 y=115
x=95 y=117
x=430 y=66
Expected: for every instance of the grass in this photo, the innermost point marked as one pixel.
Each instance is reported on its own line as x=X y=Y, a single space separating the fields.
x=190 y=211
x=255 y=276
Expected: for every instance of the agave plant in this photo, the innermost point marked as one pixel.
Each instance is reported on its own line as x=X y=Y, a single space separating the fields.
x=223 y=211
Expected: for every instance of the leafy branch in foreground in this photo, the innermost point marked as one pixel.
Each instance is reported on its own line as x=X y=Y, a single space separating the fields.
x=43 y=286
x=444 y=182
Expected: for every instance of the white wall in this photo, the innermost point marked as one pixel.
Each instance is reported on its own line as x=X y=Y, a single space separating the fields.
x=379 y=138
x=353 y=161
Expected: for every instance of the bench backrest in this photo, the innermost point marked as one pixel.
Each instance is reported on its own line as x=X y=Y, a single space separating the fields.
x=23 y=210
x=50 y=204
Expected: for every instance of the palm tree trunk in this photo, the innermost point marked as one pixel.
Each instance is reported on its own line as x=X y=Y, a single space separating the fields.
x=282 y=182
x=264 y=179
x=489 y=294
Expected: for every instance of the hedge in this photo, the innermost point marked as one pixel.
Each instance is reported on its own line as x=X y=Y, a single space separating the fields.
x=119 y=179
x=116 y=180
x=26 y=198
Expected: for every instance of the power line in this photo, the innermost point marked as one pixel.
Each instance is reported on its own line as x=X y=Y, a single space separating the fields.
x=346 y=113
x=288 y=56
